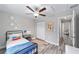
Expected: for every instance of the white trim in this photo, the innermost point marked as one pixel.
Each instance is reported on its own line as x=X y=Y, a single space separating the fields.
x=51 y=42
x=73 y=24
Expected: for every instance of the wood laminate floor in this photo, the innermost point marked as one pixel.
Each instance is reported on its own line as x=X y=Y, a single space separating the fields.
x=43 y=47
x=46 y=48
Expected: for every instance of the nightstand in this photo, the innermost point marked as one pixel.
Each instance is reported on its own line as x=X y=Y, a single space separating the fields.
x=27 y=37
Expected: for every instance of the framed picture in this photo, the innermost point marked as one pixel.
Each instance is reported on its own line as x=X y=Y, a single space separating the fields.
x=50 y=25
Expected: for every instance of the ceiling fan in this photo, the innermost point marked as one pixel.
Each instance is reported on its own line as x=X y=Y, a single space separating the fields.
x=37 y=12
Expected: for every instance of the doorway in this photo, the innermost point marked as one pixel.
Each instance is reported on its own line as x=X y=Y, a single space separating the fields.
x=66 y=31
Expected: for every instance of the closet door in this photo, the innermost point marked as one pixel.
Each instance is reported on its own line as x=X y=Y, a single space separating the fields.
x=41 y=30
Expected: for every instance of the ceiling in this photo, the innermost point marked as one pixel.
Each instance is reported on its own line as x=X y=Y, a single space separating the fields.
x=51 y=9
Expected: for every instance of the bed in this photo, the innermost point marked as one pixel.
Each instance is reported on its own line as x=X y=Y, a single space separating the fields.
x=19 y=45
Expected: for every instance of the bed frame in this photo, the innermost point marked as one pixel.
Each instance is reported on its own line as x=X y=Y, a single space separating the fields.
x=16 y=32
x=13 y=32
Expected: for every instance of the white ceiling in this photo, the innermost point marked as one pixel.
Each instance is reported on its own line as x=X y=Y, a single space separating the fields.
x=51 y=9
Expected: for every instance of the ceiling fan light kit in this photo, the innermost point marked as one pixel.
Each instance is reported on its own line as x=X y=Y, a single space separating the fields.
x=36 y=14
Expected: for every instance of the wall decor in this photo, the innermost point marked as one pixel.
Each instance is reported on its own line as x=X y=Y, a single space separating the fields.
x=50 y=25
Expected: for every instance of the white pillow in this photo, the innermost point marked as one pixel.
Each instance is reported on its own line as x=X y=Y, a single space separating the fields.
x=12 y=35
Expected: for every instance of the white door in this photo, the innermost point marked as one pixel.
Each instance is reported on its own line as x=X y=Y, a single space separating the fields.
x=41 y=30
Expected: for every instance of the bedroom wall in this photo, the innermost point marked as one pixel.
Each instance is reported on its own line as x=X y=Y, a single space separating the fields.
x=53 y=35
x=10 y=21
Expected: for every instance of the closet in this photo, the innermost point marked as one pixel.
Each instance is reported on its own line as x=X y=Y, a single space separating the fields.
x=40 y=30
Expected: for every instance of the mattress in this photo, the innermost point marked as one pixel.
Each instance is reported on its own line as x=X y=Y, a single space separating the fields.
x=21 y=46
x=28 y=48
x=11 y=43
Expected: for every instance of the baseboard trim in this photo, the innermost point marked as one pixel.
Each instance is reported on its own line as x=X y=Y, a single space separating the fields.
x=48 y=42
x=52 y=43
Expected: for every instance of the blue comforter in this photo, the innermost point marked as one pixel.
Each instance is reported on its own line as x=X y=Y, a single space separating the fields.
x=16 y=49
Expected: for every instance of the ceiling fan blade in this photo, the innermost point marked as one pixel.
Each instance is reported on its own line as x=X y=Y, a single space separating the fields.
x=30 y=8
x=42 y=9
x=42 y=14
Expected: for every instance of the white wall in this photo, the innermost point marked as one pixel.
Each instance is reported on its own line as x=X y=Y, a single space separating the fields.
x=51 y=36
x=20 y=22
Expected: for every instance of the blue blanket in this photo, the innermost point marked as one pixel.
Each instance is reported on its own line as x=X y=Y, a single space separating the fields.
x=17 y=48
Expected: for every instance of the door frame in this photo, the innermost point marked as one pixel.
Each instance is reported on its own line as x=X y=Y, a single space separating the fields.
x=69 y=17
